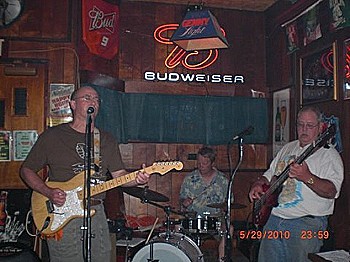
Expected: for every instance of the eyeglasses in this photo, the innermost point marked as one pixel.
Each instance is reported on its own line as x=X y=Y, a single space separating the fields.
x=88 y=98
x=307 y=125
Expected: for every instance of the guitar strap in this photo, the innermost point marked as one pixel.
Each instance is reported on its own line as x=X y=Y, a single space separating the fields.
x=96 y=155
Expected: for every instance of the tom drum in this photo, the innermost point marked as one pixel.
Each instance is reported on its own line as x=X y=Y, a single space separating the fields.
x=202 y=225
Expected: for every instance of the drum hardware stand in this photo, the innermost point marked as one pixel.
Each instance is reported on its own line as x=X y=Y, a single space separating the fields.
x=167 y=210
x=150 y=259
x=198 y=240
x=228 y=238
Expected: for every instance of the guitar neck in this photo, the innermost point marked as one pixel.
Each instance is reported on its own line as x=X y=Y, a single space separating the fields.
x=115 y=182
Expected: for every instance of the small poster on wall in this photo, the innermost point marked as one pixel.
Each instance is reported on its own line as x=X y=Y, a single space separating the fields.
x=23 y=141
x=60 y=111
x=5 y=145
x=59 y=99
x=281 y=127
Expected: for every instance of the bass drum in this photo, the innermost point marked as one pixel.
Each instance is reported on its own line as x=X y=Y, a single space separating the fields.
x=177 y=248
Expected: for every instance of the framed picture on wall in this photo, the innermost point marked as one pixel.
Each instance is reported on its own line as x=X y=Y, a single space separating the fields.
x=346 y=77
x=23 y=141
x=281 y=120
x=5 y=145
x=318 y=76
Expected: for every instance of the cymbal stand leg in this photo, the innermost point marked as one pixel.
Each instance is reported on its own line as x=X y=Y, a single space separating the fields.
x=167 y=212
x=127 y=251
x=198 y=240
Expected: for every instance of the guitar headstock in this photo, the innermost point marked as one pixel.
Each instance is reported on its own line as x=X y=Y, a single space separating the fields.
x=164 y=167
x=326 y=136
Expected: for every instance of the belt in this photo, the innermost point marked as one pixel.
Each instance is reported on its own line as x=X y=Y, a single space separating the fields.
x=309 y=216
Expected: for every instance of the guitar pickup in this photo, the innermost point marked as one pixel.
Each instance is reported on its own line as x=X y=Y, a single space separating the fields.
x=49 y=206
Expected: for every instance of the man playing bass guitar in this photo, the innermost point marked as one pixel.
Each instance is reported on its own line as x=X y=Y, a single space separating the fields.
x=304 y=199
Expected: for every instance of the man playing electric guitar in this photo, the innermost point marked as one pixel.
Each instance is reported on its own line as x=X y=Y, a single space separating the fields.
x=62 y=149
x=306 y=198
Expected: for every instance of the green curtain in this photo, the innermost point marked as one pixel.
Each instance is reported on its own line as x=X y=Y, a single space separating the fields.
x=158 y=118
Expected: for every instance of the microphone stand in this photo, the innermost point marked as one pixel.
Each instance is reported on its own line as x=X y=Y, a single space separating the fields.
x=87 y=193
x=228 y=240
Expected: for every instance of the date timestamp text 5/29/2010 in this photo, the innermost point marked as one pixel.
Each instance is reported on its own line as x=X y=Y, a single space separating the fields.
x=282 y=234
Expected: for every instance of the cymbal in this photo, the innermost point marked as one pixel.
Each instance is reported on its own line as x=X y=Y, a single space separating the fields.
x=145 y=194
x=224 y=205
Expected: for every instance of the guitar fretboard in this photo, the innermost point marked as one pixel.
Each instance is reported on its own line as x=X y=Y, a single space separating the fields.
x=112 y=183
x=160 y=168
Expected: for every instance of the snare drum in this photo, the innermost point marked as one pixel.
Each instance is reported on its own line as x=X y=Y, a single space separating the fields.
x=202 y=225
x=177 y=248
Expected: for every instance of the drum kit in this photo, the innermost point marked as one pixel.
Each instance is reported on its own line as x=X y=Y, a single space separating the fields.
x=184 y=231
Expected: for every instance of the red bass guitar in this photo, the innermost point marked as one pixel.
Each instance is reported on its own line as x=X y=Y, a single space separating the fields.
x=262 y=207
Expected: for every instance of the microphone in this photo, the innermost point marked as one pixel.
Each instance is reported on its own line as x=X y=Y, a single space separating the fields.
x=245 y=132
x=90 y=110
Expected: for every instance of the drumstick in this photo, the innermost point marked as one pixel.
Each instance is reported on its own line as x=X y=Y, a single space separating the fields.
x=201 y=193
x=150 y=233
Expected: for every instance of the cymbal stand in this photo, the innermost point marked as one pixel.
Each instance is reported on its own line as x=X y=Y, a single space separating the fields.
x=167 y=210
x=228 y=240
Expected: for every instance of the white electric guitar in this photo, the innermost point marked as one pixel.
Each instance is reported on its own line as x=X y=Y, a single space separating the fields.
x=49 y=218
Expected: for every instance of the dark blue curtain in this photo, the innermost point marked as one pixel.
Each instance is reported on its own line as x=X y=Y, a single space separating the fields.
x=161 y=118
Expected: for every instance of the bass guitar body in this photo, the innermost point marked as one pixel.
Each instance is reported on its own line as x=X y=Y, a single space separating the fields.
x=263 y=212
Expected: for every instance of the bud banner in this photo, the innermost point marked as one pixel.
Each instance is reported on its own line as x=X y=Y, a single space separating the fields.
x=100 y=21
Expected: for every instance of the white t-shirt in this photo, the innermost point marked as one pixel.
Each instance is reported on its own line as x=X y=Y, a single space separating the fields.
x=297 y=199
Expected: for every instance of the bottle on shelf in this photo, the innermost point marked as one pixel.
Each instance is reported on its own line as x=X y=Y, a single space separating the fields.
x=278 y=124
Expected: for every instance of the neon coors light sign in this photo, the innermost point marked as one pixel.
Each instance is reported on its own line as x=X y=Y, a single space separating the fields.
x=179 y=56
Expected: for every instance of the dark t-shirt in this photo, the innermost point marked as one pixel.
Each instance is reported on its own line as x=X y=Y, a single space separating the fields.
x=62 y=149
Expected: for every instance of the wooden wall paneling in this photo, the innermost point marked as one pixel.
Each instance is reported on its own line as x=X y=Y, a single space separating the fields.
x=60 y=13
x=278 y=61
x=57 y=66
x=70 y=69
x=32 y=13
x=241 y=186
x=33 y=120
x=183 y=150
x=126 y=151
x=248 y=55
x=165 y=14
x=144 y=54
x=262 y=160
x=139 y=155
x=130 y=44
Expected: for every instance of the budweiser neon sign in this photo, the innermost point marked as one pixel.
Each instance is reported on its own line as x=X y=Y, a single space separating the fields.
x=178 y=55
x=191 y=60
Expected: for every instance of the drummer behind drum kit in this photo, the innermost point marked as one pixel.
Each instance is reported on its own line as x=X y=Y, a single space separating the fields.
x=182 y=246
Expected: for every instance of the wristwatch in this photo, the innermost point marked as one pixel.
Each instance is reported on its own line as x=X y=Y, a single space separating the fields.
x=310 y=181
